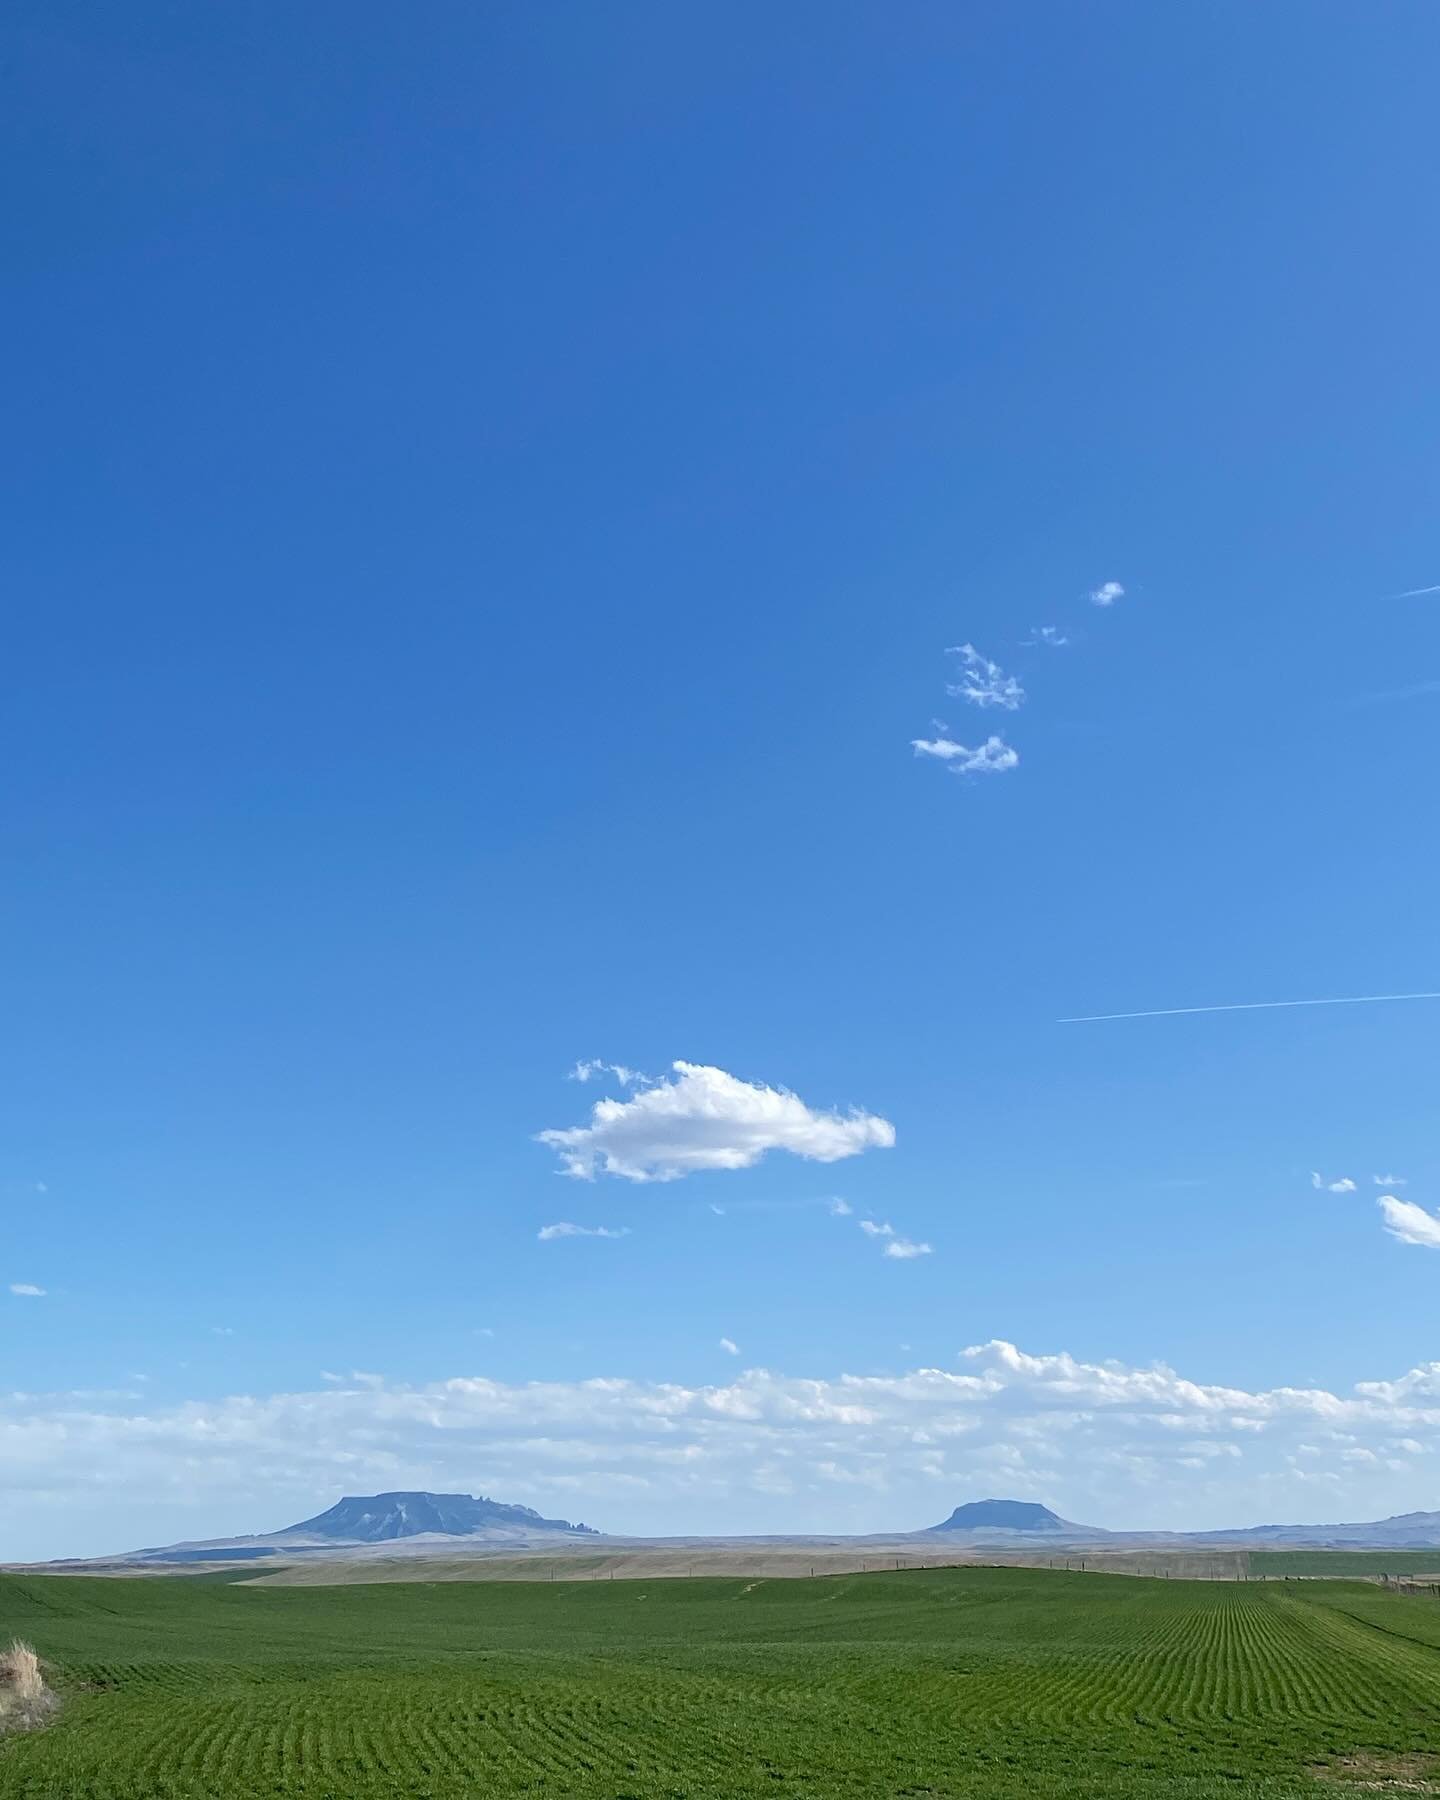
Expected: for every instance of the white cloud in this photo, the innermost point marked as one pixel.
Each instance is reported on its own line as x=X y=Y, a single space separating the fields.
x=590 y=1067
x=223 y=1330
x=1388 y=1181
x=1102 y=1442
x=1344 y=1185
x=1106 y=594
x=564 y=1229
x=840 y=1209
x=729 y=1346
x=1046 y=634
x=1409 y=1222
x=330 y=1375
x=27 y=1290
x=903 y=1249
x=900 y=1249
x=708 y=1119
x=982 y=682
x=993 y=757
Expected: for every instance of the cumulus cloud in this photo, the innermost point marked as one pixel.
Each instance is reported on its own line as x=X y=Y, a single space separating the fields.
x=564 y=1229
x=1106 y=594
x=1343 y=1185
x=872 y=1229
x=982 y=682
x=1101 y=1441
x=27 y=1290
x=1409 y=1222
x=707 y=1119
x=1389 y=1181
x=729 y=1346
x=993 y=757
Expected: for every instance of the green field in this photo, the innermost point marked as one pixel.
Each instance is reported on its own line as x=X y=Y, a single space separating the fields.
x=974 y=1682
x=1333 y=1563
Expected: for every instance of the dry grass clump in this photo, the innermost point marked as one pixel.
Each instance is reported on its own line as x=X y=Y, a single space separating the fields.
x=25 y=1700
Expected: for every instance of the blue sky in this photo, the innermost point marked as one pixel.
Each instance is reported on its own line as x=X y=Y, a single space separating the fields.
x=493 y=491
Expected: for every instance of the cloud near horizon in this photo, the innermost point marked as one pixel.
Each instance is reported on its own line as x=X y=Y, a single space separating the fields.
x=708 y=1119
x=1103 y=1443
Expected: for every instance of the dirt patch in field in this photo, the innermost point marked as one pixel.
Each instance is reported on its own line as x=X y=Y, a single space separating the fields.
x=1380 y=1772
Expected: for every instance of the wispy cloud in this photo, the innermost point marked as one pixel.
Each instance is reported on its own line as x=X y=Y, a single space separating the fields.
x=1409 y=1222
x=993 y=757
x=1045 y=634
x=1416 y=690
x=1414 y=593
x=903 y=1249
x=982 y=682
x=1389 y=1181
x=899 y=1249
x=706 y=1118
x=1175 y=1012
x=1106 y=594
x=1344 y=1185
x=564 y=1229
x=840 y=1209
x=729 y=1346
x=591 y=1066
x=27 y=1290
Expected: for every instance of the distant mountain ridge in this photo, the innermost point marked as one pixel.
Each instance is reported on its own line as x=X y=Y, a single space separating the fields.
x=382 y=1518
x=415 y=1523
x=1004 y=1515
x=1015 y=1524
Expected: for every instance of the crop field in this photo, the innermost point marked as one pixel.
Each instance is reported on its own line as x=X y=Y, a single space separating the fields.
x=1330 y=1563
x=967 y=1682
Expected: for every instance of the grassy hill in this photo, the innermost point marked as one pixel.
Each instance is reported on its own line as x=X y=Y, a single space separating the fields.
x=964 y=1682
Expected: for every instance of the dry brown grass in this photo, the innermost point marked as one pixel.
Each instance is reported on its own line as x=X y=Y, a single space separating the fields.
x=1406 y=1772
x=25 y=1701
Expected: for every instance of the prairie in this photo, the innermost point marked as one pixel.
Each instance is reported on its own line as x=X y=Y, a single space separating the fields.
x=960 y=1681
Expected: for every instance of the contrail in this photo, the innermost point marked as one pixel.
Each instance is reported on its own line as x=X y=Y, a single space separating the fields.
x=1174 y=1012
x=1414 y=593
